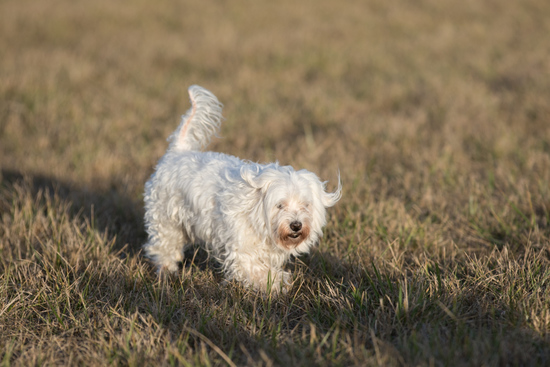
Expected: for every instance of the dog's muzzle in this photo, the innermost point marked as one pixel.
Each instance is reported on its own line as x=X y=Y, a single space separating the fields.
x=295 y=226
x=291 y=235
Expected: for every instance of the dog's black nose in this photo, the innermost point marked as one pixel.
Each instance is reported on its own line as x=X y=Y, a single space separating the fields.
x=296 y=226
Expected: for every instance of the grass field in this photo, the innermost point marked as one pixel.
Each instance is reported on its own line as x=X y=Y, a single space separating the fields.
x=436 y=114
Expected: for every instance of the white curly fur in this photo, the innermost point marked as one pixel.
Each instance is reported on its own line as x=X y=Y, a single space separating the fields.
x=250 y=217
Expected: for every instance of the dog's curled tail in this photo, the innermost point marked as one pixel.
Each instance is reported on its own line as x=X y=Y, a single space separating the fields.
x=199 y=123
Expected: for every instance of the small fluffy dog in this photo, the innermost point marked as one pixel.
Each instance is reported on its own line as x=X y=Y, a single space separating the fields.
x=251 y=217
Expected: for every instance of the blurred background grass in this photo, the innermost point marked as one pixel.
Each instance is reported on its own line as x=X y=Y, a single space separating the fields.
x=90 y=91
x=436 y=113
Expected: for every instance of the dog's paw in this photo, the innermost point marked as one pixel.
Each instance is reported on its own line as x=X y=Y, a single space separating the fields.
x=167 y=269
x=279 y=282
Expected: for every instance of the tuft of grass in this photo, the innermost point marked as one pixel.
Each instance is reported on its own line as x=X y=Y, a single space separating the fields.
x=435 y=114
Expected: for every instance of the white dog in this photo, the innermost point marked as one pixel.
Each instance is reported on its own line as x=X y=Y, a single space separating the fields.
x=251 y=217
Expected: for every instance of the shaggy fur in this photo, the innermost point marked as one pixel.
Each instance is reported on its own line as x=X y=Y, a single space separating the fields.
x=251 y=217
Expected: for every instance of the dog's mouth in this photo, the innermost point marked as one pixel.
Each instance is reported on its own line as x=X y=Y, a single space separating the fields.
x=290 y=239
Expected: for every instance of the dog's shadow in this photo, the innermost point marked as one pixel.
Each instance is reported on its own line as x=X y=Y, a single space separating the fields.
x=197 y=257
x=121 y=217
x=110 y=211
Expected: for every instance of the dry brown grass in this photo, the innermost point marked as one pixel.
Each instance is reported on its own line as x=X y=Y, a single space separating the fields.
x=437 y=115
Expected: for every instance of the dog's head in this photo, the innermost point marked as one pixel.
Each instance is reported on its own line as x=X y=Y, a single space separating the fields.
x=291 y=205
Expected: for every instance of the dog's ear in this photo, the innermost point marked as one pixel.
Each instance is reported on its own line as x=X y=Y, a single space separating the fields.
x=250 y=175
x=257 y=177
x=331 y=198
x=318 y=188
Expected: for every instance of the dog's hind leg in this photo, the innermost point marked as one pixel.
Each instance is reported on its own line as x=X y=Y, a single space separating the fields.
x=166 y=245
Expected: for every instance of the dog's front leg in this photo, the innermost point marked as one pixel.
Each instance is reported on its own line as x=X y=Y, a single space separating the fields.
x=258 y=275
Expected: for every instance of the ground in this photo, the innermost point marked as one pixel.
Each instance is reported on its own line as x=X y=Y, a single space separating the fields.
x=436 y=114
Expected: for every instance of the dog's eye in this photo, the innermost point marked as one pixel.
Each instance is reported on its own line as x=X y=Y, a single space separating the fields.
x=279 y=206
